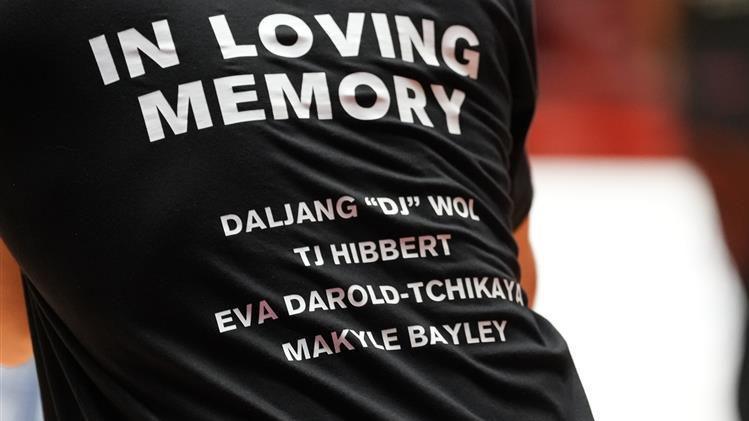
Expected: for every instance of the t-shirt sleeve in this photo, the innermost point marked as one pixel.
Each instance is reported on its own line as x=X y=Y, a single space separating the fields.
x=524 y=94
x=522 y=188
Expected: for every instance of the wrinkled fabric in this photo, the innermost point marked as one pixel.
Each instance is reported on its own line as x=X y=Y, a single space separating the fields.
x=277 y=210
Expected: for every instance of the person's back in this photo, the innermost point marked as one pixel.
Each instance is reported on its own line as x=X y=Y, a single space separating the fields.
x=276 y=210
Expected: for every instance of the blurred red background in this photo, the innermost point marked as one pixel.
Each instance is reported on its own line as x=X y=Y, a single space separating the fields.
x=607 y=85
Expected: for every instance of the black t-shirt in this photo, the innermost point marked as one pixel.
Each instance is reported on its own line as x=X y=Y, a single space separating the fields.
x=276 y=210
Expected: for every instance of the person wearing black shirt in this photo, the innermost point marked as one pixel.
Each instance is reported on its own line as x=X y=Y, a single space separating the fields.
x=277 y=210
